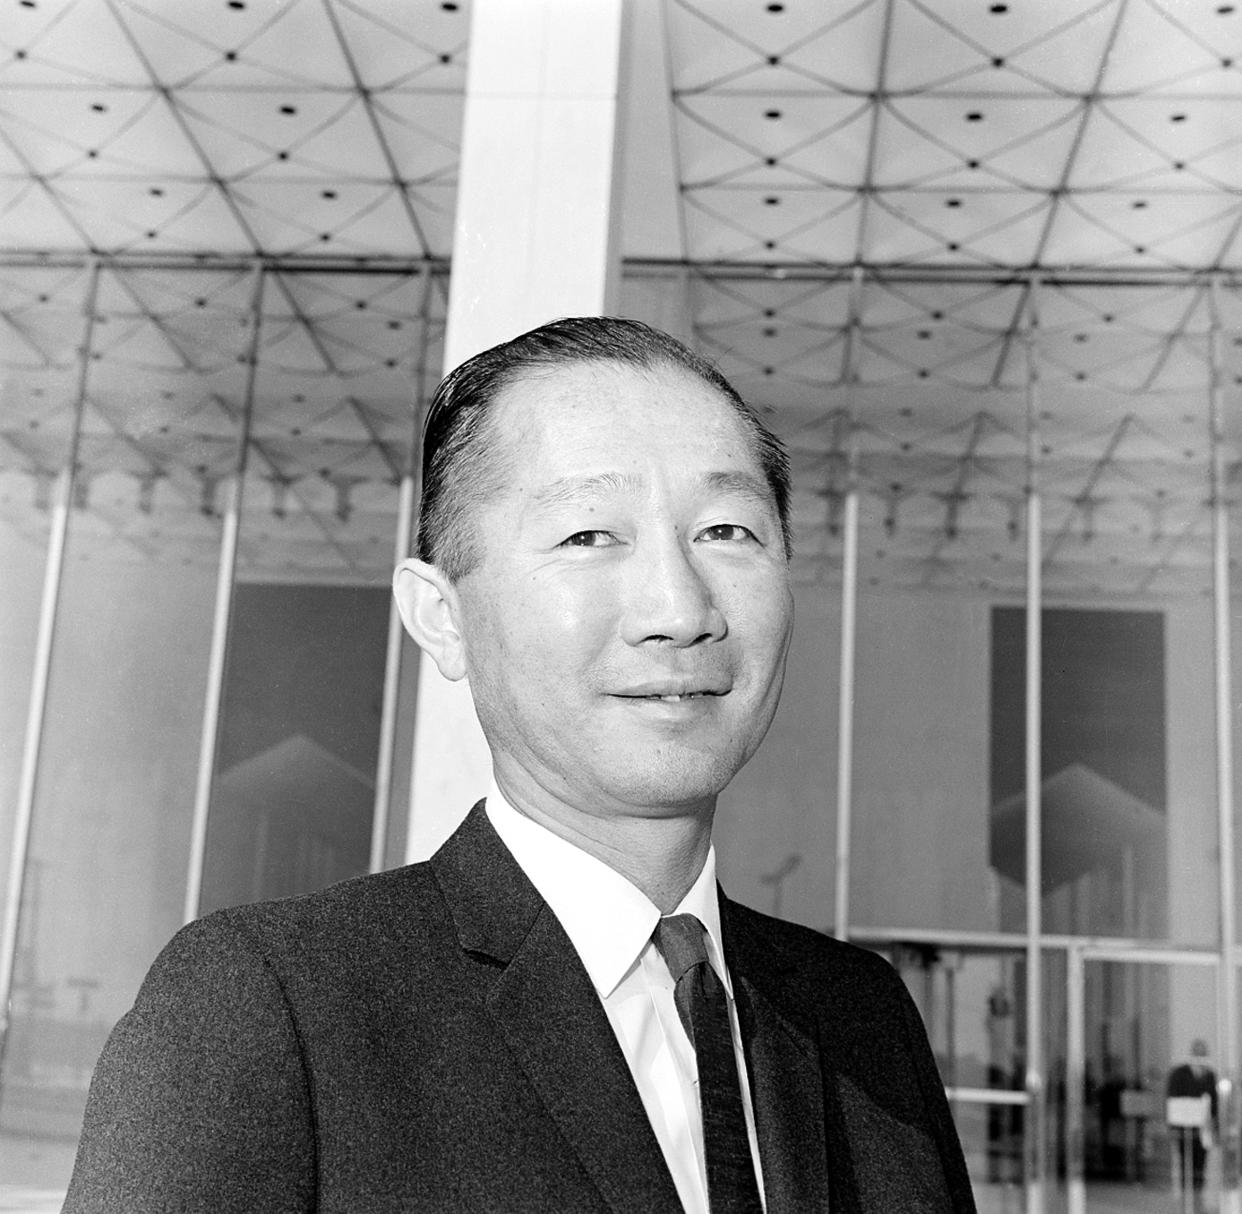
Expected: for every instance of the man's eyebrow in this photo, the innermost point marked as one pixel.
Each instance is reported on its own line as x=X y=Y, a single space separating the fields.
x=741 y=484
x=570 y=489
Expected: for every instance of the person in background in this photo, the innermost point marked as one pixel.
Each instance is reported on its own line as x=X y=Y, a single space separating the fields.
x=1193 y=1080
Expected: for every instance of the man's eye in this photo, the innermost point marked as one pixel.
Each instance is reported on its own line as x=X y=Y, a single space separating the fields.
x=590 y=539
x=730 y=532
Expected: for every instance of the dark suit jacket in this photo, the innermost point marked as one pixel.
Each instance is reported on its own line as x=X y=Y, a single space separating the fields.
x=427 y=1039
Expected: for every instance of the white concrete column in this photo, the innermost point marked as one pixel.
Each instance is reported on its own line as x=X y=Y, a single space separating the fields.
x=535 y=238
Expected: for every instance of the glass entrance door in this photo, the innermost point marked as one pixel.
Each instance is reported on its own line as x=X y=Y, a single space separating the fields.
x=972 y=1002
x=1142 y=1032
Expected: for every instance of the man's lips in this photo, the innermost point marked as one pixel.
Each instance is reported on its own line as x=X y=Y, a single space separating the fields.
x=671 y=692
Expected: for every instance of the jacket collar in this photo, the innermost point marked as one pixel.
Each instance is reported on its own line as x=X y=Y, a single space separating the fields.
x=543 y=1005
x=493 y=904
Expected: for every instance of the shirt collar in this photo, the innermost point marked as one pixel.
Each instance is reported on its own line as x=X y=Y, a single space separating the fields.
x=607 y=918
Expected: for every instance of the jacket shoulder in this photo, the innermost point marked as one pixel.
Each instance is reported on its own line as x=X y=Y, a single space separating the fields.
x=808 y=957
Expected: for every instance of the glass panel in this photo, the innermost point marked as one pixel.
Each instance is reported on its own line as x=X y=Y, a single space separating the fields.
x=1127 y=764
x=109 y=842
x=941 y=448
x=1149 y=1087
x=41 y=325
x=343 y=359
x=973 y=1004
x=775 y=829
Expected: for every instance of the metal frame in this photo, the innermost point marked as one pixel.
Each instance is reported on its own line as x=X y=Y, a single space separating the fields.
x=411 y=476
x=1231 y=1199
x=1037 y=1123
x=849 y=638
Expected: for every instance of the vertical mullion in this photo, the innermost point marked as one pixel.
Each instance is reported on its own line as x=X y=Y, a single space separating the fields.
x=1036 y=1127
x=849 y=636
x=407 y=499
x=1075 y=1071
x=1231 y=1200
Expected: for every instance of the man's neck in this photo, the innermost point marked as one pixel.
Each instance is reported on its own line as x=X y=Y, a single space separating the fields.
x=660 y=854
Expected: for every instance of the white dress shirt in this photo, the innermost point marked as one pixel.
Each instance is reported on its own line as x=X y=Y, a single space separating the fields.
x=609 y=921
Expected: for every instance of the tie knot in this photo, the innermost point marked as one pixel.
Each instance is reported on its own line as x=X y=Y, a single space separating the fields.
x=680 y=939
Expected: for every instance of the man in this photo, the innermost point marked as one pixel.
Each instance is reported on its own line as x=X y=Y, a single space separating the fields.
x=1190 y=1102
x=559 y=1011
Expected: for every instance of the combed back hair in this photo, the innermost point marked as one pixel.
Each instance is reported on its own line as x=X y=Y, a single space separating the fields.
x=464 y=468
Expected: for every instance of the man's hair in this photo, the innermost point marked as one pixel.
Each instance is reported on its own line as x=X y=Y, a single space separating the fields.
x=464 y=467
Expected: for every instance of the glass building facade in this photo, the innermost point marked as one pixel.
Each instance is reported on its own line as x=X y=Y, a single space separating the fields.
x=980 y=270
x=216 y=706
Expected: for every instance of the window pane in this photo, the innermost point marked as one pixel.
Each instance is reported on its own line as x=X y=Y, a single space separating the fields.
x=973 y=1004
x=343 y=360
x=941 y=466
x=1127 y=764
x=776 y=823
x=1150 y=1066
x=104 y=885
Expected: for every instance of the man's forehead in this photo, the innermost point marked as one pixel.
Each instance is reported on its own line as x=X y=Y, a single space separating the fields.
x=572 y=490
x=540 y=399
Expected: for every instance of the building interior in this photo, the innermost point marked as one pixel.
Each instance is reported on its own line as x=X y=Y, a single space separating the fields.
x=977 y=263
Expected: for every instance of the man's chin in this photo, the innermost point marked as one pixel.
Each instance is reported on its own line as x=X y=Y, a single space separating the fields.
x=656 y=790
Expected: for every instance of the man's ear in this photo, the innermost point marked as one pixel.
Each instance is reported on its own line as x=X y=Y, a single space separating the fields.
x=428 y=604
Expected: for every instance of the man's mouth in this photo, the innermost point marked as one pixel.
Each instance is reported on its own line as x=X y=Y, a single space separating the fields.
x=689 y=695
x=670 y=697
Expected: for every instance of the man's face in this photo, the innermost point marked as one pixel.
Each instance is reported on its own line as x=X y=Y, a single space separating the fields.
x=625 y=631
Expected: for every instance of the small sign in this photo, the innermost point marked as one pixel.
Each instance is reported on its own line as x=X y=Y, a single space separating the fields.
x=1188 y=1112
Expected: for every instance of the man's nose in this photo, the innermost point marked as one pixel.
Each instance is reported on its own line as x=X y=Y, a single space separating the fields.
x=670 y=598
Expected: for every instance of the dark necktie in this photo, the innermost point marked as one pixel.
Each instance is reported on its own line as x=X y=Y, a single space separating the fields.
x=703 y=1007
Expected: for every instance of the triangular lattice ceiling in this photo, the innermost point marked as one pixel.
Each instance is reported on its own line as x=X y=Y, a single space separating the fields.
x=856 y=197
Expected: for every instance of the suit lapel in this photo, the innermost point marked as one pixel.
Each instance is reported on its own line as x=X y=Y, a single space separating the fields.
x=543 y=1005
x=786 y=1081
